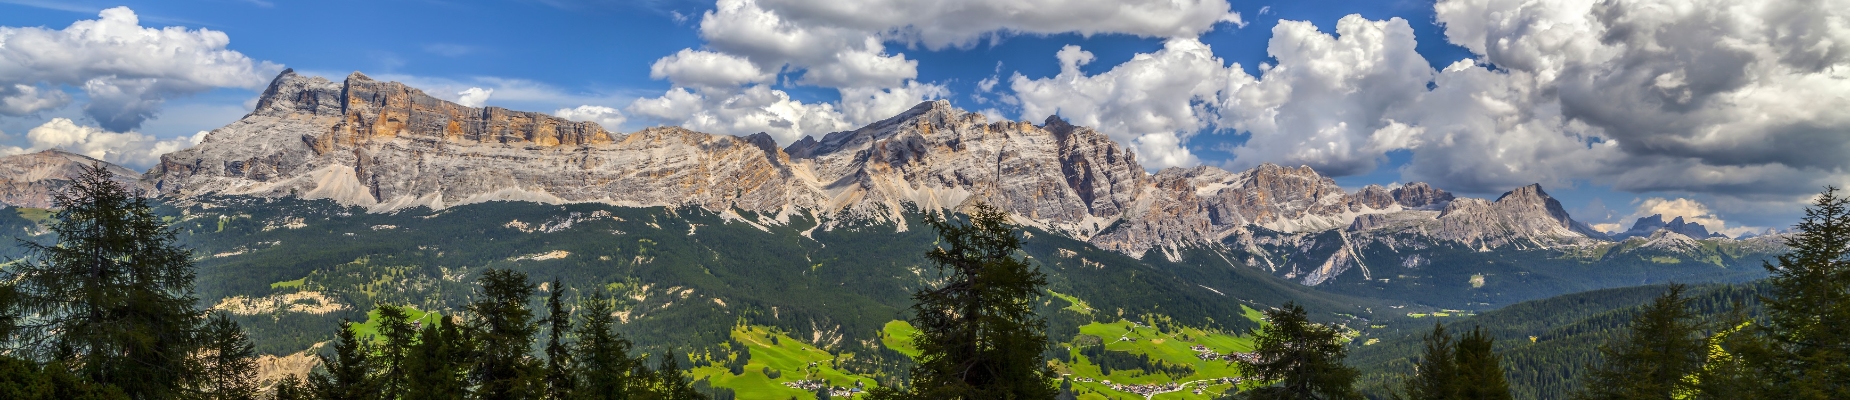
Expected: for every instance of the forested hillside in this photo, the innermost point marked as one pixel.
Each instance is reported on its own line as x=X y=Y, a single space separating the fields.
x=1546 y=344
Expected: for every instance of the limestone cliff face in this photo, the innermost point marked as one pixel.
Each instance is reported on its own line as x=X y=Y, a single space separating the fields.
x=1205 y=205
x=30 y=180
x=1526 y=217
x=387 y=146
x=933 y=156
x=381 y=111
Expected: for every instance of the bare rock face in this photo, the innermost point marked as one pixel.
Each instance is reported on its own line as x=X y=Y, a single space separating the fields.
x=1420 y=195
x=29 y=180
x=1525 y=217
x=387 y=146
x=1204 y=205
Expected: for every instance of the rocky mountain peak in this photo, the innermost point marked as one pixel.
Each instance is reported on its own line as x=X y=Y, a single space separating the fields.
x=1532 y=197
x=1421 y=195
x=1647 y=226
x=29 y=180
x=1524 y=215
x=291 y=93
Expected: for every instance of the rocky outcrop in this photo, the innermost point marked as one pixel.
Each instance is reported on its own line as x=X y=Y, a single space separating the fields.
x=30 y=180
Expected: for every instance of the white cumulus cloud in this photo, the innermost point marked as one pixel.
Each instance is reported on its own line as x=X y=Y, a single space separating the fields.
x=607 y=117
x=1153 y=100
x=1330 y=100
x=843 y=45
x=126 y=71
x=740 y=112
x=132 y=149
x=1715 y=96
x=694 y=68
x=954 y=23
x=474 y=97
x=22 y=99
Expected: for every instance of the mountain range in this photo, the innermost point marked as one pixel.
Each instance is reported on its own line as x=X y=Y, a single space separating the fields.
x=385 y=146
x=331 y=197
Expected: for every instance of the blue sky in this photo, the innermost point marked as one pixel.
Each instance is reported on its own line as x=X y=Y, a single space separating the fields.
x=1542 y=94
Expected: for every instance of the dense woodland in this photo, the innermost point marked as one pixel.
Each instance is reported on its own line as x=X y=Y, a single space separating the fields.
x=102 y=301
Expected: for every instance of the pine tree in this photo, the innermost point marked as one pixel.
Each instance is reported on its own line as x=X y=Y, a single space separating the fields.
x=559 y=380
x=350 y=374
x=1436 y=376
x=113 y=299
x=503 y=328
x=1654 y=358
x=1305 y=359
x=1726 y=372
x=437 y=365
x=1479 y=369
x=228 y=361
x=978 y=335
x=395 y=327
x=1066 y=390
x=603 y=363
x=1806 y=330
x=668 y=381
x=291 y=388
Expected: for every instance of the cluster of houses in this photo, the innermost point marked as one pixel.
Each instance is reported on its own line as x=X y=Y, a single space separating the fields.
x=818 y=384
x=1205 y=353
x=1146 y=390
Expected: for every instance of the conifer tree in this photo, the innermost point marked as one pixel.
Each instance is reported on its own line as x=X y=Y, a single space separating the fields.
x=113 y=299
x=228 y=362
x=559 y=380
x=978 y=335
x=603 y=365
x=395 y=328
x=291 y=388
x=438 y=363
x=1436 y=375
x=1807 y=328
x=1305 y=359
x=1480 y=373
x=668 y=382
x=503 y=328
x=1654 y=357
x=349 y=374
x=1726 y=372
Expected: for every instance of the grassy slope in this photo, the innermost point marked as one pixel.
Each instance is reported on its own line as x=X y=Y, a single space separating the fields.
x=370 y=328
x=793 y=358
x=897 y=335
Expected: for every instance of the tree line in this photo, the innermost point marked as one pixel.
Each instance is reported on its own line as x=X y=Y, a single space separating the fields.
x=1797 y=348
x=489 y=356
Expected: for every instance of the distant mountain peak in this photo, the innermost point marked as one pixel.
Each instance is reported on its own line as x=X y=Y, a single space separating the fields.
x=29 y=180
x=1647 y=226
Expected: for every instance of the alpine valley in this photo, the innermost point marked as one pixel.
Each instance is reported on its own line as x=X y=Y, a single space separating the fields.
x=332 y=197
